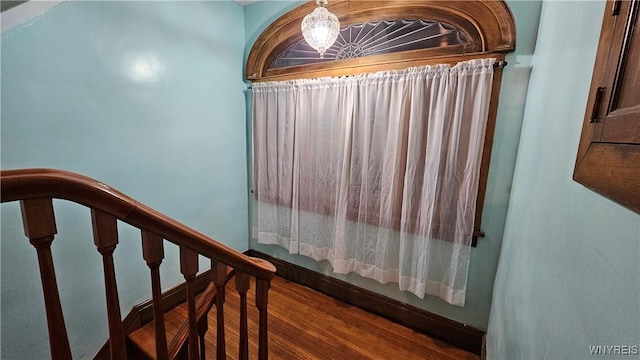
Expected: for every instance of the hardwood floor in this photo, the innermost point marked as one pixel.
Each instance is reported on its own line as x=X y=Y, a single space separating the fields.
x=305 y=324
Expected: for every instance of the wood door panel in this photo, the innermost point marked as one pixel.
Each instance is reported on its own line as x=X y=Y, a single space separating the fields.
x=622 y=121
x=608 y=159
x=604 y=170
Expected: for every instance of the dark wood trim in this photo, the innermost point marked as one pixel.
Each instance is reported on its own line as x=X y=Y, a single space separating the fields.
x=458 y=334
x=483 y=353
x=489 y=24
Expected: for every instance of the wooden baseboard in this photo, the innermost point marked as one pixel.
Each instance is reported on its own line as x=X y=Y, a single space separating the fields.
x=458 y=334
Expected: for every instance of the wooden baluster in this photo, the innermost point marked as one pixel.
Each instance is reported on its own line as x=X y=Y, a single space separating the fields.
x=105 y=237
x=189 y=268
x=153 y=253
x=203 y=326
x=40 y=227
x=262 y=290
x=242 y=286
x=219 y=278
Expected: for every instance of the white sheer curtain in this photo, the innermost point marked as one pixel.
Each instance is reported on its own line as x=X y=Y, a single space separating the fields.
x=376 y=173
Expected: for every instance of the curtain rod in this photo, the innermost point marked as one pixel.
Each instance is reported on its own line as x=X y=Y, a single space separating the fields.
x=498 y=65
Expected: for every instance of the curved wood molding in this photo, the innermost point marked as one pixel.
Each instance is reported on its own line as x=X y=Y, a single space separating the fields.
x=489 y=25
x=46 y=183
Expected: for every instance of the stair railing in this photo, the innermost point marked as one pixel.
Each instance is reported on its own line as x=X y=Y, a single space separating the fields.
x=35 y=189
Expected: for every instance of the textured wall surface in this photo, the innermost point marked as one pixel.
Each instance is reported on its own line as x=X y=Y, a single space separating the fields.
x=144 y=96
x=569 y=272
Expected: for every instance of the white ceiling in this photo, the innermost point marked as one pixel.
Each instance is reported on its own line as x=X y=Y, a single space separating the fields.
x=30 y=9
x=25 y=12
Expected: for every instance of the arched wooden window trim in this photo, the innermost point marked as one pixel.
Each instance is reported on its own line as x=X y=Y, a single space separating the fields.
x=488 y=24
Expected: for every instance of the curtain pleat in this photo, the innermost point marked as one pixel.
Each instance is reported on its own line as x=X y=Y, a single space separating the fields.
x=376 y=173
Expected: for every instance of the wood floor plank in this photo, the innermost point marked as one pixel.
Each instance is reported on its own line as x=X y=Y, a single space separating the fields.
x=307 y=325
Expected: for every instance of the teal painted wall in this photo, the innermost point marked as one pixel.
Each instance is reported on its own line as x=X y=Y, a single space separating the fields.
x=569 y=272
x=484 y=258
x=144 y=96
x=147 y=97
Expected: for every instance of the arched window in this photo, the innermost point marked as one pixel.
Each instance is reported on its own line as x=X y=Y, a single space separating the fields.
x=393 y=35
x=376 y=38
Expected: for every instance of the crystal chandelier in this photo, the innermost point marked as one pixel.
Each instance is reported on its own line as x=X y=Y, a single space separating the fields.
x=320 y=28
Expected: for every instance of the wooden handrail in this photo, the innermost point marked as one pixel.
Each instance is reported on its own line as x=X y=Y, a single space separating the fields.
x=48 y=183
x=35 y=189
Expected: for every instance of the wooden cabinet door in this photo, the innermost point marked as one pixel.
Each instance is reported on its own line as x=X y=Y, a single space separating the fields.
x=608 y=158
x=621 y=117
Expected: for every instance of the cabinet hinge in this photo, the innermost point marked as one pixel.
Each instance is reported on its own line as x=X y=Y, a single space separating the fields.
x=615 y=8
x=596 y=104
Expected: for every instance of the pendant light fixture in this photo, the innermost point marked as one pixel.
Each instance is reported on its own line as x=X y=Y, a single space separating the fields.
x=320 y=28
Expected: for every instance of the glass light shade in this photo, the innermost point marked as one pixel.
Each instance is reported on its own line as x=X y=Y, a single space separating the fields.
x=320 y=29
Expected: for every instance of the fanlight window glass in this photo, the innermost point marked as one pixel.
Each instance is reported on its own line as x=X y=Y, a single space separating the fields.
x=373 y=38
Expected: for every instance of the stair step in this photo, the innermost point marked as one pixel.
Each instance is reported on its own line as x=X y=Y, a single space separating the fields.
x=141 y=343
x=143 y=340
